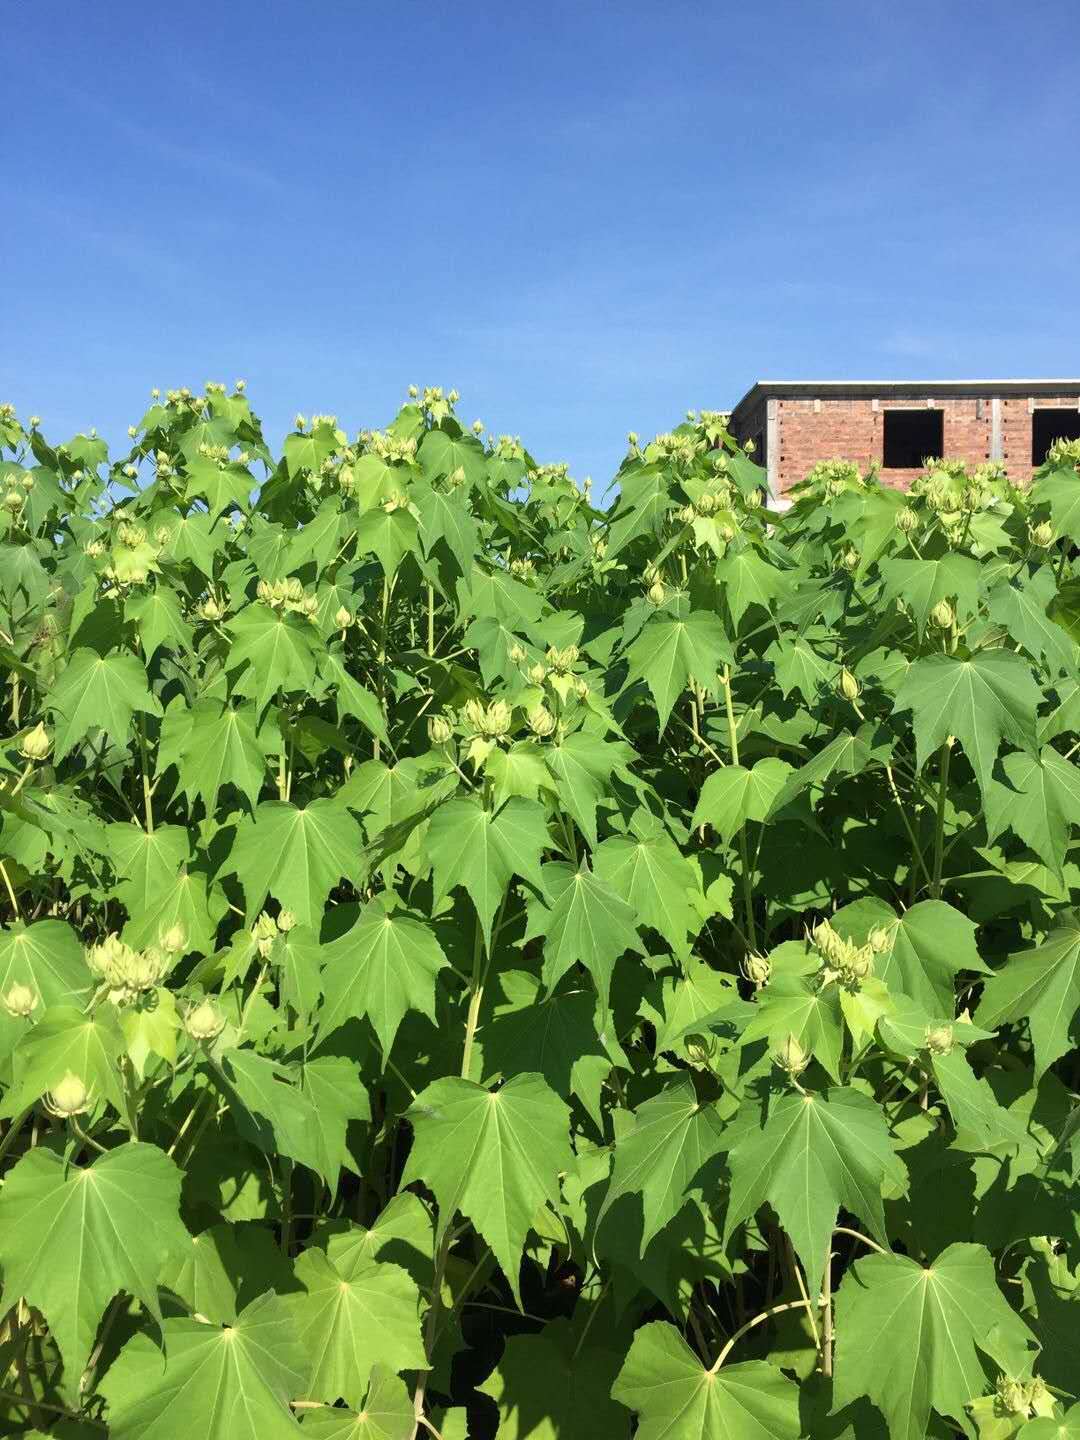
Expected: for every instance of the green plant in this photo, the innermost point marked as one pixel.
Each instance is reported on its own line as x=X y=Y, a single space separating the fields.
x=479 y=960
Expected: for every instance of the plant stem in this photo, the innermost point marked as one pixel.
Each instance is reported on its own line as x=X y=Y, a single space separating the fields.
x=826 y=1324
x=939 y=835
x=10 y=890
x=430 y=1329
x=758 y=1320
x=476 y=991
x=147 y=789
x=858 y=1235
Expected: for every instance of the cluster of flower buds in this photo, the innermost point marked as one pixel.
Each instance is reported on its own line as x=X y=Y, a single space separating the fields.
x=1022 y=1397
x=440 y=729
x=129 y=535
x=20 y=1001
x=842 y=960
x=204 y=1022
x=508 y=447
x=939 y=1039
x=17 y=490
x=681 y=448
x=791 y=1057
x=36 y=743
x=523 y=567
x=266 y=930
x=756 y=969
x=562 y=661
x=127 y=973
x=1061 y=452
x=94 y=549
x=389 y=447
x=68 y=1097
x=287 y=595
x=491 y=721
x=1041 y=535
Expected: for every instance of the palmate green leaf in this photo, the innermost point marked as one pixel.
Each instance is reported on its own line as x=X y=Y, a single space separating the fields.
x=648 y=871
x=845 y=754
x=445 y=516
x=799 y=667
x=385 y=965
x=231 y=1383
x=1021 y=608
x=441 y=454
x=1058 y=490
x=388 y=534
x=669 y=652
x=158 y=622
x=297 y=854
x=922 y=583
x=387 y=1414
x=676 y=1398
x=909 y=1336
x=66 y=1041
x=587 y=923
x=1040 y=802
x=748 y=579
x=673 y=1138
x=493 y=1155
x=1041 y=985
x=350 y=1316
x=47 y=957
x=990 y=697
x=272 y=651
x=544 y=1392
x=98 y=692
x=1047 y=1428
x=732 y=795
x=213 y=744
x=793 y=1003
x=220 y=1270
x=480 y=850
x=816 y=1152
x=583 y=767
x=73 y=1237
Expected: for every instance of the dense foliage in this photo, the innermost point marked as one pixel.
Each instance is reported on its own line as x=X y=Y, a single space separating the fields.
x=476 y=962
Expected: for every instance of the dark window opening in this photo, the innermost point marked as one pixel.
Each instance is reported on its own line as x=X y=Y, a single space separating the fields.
x=1050 y=425
x=911 y=436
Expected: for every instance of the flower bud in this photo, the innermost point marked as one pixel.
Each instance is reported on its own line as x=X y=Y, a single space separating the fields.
x=475 y=715
x=907 y=520
x=173 y=940
x=700 y=1049
x=541 y=721
x=705 y=504
x=726 y=533
x=792 y=1057
x=537 y=673
x=754 y=500
x=211 y=608
x=1012 y=1396
x=943 y=616
x=263 y=933
x=756 y=969
x=20 y=1002
x=477 y=427
x=939 y=1039
x=342 y=618
x=848 y=686
x=517 y=653
x=286 y=921
x=36 y=743
x=581 y=689
x=497 y=719
x=1042 y=535
x=656 y=593
x=69 y=1097
x=413 y=392
x=632 y=438
x=300 y=422
x=879 y=940
x=204 y=1022
x=850 y=558
x=28 y=482
x=439 y=729
x=35 y=422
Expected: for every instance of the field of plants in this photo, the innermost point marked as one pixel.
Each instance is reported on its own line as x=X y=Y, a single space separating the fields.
x=476 y=962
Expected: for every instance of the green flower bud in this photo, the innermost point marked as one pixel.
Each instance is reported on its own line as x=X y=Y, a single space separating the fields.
x=756 y=969
x=413 y=392
x=69 y=1097
x=497 y=719
x=475 y=714
x=705 y=504
x=300 y=422
x=286 y=921
x=700 y=1049
x=478 y=427
x=541 y=721
x=656 y=593
x=1042 y=535
x=173 y=940
x=943 y=616
x=879 y=940
x=907 y=520
x=726 y=533
x=211 y=608
x=754 y=500
x=204 y=1022
x=342 y=618
x=36 y=743
x=28 y=482
x=939 y=1039
x=850 y=558
x=20 y=1001
x=517 y=653
x=537 y=673
x=848 y=686
x=791 y=1057
x=439 y=729
x=1011 y=1396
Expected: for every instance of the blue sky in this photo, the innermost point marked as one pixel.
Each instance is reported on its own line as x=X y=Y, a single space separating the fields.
x=588 y=217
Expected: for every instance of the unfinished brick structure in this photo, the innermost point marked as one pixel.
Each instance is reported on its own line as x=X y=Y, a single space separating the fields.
x=896 y=423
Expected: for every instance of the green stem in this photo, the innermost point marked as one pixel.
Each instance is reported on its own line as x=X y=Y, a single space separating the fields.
x=476 y=991
x=939 y=834
x=430 y=621
x=147 y=789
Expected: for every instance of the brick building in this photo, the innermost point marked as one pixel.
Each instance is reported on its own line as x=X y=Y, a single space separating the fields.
x=896 y=423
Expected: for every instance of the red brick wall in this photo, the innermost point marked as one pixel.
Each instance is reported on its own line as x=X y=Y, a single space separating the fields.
x=852 y=429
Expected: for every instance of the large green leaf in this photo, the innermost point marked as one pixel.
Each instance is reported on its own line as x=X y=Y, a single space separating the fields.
x=71 y=1238
x=669 y=652
x=909 y=1336
x=98 y=692
x=272 y=651
x=480 y=850
x=816 y=1152
x=677 y=1398
x=990 y=697
x=1043 y=986
x=1039 y=801
x=385 y=965
x=732 y=795
x=493 y=1155
x=214 y=744
x=587 y=923
x=297 y=854
x=231 y=1383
